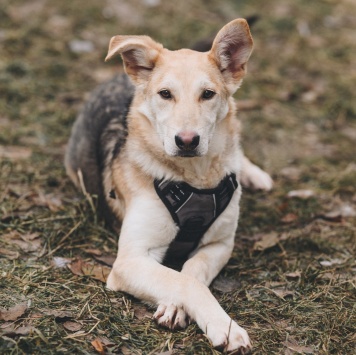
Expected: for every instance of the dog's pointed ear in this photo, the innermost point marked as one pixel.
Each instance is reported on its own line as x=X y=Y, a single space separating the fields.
x=139 y=54
x=231 y=50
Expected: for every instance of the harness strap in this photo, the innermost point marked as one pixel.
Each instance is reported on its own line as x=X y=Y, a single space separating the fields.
x=194 y=211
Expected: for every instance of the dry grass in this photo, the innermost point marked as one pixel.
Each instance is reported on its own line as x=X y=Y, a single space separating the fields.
x=295 y=292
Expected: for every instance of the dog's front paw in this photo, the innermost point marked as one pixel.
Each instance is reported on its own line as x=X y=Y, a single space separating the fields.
x=255 y=178
x=112 y=282
x=171 y=317
x=231 y=338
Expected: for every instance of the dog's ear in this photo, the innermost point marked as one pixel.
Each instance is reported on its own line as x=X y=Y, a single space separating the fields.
x=231 y=50
x=139 y=54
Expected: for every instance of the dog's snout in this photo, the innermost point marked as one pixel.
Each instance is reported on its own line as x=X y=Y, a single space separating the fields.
x=187 y=140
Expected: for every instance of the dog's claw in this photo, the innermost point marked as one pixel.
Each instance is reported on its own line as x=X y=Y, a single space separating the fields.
x=171 y=317
x=236 y=342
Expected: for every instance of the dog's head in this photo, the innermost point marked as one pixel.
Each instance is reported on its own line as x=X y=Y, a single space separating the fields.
x=184 y=93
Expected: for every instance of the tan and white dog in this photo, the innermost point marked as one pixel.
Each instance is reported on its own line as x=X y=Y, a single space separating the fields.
x=176 y=123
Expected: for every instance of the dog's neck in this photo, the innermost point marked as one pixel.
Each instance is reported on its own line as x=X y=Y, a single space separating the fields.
x=145 y=151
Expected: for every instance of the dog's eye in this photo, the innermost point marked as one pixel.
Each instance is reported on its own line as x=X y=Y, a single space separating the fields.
x=207 y=94
x=165 y=94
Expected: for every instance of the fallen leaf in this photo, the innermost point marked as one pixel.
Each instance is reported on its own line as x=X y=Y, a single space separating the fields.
x=60 y=262
x=344 y=211
x=292 y=344
x=331 y=262
x=106 y=259
x=81 y=46
x=106 y=342
x=93 y=270
x=59 y=315
x=29 y=242
x=282 y=292
x=289 y=218
x=284 y=324
x=303 y=194
x=25 y=330
x=141 y=312
x=15 y=152
x=294 y=275
x=13 y=312
x=125 y=350
x=72 y=326
x=291 y=173
x=98 y=346
x=267 y=241
x=54 y=203
x=225 y=284
x=9 y=254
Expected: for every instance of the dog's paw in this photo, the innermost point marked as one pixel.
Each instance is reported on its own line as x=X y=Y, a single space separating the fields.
x=255 y=178
x=171 y=317
x=112 y=282
x=232 y=338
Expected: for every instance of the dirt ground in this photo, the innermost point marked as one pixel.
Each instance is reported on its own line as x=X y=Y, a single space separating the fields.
x=291 y=280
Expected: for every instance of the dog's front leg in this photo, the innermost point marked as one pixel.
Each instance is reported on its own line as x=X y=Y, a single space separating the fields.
x=136 y=271
x=208 y=261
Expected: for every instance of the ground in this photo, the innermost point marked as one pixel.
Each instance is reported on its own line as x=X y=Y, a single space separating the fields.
x=291 y=280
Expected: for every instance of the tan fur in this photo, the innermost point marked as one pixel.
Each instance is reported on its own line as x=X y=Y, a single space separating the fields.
x=150 y=152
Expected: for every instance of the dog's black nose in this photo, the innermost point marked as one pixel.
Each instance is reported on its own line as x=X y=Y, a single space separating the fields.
x=187 y=140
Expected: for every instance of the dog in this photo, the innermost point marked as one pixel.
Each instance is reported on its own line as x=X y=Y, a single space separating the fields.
x=160 y=148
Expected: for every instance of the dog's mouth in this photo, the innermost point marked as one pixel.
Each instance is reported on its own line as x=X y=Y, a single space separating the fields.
x=187 y=153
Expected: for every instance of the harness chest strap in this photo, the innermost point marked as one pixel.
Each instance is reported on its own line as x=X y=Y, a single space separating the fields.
x=194 y=211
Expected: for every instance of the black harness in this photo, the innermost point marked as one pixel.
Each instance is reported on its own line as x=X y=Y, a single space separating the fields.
x=194 y=211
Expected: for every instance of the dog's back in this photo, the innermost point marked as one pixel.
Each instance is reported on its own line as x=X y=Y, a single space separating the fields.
x=99 y=132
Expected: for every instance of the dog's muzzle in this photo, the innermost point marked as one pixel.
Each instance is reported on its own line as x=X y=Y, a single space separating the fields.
x=187 y=142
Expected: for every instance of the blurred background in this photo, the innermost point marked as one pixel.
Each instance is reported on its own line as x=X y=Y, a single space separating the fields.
x=297 y=106
x=296 y=102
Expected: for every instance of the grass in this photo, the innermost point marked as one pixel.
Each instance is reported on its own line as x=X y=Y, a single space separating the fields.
x=296 y=296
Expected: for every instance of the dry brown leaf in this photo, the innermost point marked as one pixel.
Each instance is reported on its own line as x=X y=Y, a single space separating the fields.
x=294 y=275
x=302 y=194
x=106 y=342
x=338 y=214
x=15 y=152
x=106 y=259
x=282 y=292
x=60 y=262
x=141 y=312
x=9 y=254
x=13 y=312
x=292 y=344
x=291 y=173
x=98 y=346
x=29 y=242
x=332 y=262
x=54 y=203
x=72 y=326
x=267 y=241
x=289 y=218
x=225 y=284
x=58 y=314
x=25 y=330
x=125 y=350
x=93 y=270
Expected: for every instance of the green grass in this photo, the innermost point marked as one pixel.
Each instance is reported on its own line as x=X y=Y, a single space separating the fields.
x=302 y=77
